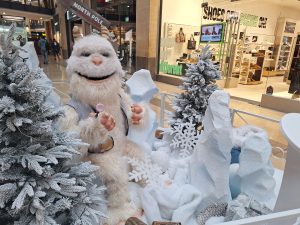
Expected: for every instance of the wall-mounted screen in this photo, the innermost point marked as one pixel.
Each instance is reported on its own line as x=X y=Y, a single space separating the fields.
x=211 y=33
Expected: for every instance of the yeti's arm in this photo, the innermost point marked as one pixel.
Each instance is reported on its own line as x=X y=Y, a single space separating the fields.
x=91 y=130
x=70 y=121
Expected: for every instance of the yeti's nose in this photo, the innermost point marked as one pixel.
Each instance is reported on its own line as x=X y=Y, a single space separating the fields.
x=96 y=60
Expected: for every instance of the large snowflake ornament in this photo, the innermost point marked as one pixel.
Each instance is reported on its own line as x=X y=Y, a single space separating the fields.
x=185 y=138
x=144 y=171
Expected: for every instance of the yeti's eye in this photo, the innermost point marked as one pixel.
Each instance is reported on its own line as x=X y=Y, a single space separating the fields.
x=85 y=54
x=105 y=54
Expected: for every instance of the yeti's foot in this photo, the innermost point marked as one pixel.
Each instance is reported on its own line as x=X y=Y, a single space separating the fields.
x=118 y=216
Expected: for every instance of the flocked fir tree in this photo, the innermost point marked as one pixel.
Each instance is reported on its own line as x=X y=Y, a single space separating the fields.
x=198 y=85
x=39 y=183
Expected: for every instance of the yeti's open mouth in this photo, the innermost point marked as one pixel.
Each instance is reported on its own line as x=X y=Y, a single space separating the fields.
x=95 y=78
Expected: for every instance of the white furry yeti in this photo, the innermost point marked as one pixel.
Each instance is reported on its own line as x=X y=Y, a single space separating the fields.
x=95 y=77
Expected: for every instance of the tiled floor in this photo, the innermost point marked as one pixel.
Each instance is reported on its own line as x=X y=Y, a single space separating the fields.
x=56 y=72
x=254 y=92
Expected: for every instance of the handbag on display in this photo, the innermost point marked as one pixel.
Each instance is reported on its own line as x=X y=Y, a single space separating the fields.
x=191 y=43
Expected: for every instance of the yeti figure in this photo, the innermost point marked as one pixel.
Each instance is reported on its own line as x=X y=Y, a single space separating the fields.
x=95 y=79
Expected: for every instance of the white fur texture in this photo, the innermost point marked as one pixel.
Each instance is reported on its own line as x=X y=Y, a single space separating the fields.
x=113 y=169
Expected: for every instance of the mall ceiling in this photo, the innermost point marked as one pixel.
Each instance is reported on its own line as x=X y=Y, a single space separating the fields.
x=117 y=9
x=29 y=15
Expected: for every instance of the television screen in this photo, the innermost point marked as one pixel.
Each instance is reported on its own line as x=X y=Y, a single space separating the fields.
x=211 y=33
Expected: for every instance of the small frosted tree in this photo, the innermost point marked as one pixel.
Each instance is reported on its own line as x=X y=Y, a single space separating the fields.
x=39 y=183
x=198 y=85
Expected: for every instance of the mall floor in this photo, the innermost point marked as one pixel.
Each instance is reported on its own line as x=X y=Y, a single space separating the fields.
x=253 y=93
x=56 y=71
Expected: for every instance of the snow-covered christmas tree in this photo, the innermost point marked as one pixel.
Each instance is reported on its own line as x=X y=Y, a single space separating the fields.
x=198 y=85
x=39 y=183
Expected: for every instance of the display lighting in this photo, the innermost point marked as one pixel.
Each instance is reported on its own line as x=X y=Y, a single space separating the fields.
x=15 y=18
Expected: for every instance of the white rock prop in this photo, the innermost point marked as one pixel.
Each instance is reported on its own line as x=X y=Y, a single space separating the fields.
x=141 y=86
x=255 y=170
x=210 y=162
x=240 y=134
x=141 y=89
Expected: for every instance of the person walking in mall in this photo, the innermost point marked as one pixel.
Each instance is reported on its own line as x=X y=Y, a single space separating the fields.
x=55 y=48
x=43 y=45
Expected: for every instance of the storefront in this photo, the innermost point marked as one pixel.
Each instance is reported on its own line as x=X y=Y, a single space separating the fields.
x=20 y=36
x=256 y=44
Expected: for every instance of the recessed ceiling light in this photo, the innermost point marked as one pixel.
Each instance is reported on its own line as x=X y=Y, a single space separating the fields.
x=41 y=18
x=129 y=5
x=4 y=13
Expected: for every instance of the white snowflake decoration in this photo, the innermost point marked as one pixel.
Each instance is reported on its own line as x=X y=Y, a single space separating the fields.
x=144 y=171
x=185 y=138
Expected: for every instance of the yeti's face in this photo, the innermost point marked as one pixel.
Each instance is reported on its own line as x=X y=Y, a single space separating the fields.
x=94 y=59
x=94 y=69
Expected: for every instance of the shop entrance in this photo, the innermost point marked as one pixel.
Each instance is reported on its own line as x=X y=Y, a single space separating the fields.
x=257 y=53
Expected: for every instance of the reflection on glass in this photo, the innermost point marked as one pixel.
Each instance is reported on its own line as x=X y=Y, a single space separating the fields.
x=20 y=36
x=38 y=3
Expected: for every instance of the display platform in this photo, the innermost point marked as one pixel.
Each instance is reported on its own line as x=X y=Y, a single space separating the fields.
x=281 y=101
x=275 y=73
x=232 y=82
x=252 y=83
x=169 y=79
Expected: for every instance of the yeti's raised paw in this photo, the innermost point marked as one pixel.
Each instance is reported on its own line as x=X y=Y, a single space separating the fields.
x=106 y=120
x=137 y=113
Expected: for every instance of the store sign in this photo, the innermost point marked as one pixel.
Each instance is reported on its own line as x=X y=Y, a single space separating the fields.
x=262 y=23
x=219 y=14
x=85 y=13
x=249 y=20
x=170 y=69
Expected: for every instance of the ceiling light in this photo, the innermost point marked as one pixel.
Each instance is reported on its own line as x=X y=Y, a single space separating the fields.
x=16 y=18
x=128 y=6
x=41 y=18
x=4 y=13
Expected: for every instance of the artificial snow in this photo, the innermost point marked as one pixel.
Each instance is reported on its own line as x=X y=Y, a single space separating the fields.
x=215 y=220
x=171 y=203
